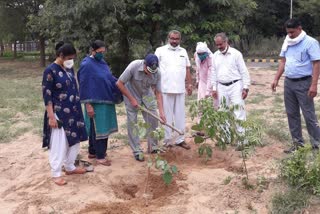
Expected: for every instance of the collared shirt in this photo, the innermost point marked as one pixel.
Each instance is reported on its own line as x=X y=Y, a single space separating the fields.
x=140 y=84
x=229 y=67
x=172 y=68
x=299 y=58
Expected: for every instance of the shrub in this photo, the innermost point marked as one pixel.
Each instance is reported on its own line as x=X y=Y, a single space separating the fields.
x=302 y=170
x=292 y=201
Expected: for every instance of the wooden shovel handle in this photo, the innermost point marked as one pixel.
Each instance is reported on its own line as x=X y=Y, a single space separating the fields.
x=158 y=118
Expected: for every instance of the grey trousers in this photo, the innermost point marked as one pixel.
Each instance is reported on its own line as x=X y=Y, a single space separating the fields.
x=134 y=140
x=296 y=98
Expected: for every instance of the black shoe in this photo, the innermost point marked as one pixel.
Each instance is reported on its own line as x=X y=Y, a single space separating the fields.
x=315 y=147
x=184 y=145
x=293 y=148
x=157 y=151
x=139 y=157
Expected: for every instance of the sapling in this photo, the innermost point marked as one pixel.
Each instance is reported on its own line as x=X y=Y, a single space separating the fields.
x=221 y=126
x=141 y=129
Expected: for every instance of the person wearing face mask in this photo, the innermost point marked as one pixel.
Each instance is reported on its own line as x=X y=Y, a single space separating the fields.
x=175 y=78
x=137 y=83
x=203 y=58
x=99 y=93
x=63 y=120
x=230 y=78
x=300 y=63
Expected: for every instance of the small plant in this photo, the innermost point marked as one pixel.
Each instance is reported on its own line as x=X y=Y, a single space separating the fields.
x=292 y=201
x=246 y=183
x=141 y=129
x=227 y=180
x=262 y=184
x=164 y=166
x=302 y=170
x=221 y=127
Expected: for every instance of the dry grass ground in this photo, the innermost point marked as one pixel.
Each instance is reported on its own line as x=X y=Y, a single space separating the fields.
x=212 y=187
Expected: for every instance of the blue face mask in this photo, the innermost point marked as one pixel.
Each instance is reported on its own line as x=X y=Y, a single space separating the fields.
x=98 y=56
x=202 y=56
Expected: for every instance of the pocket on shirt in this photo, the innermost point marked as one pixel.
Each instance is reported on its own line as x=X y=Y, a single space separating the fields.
x=138 y=77
x=301 y=56
x=182 y=61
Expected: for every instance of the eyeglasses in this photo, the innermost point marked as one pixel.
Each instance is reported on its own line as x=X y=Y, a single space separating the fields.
x=176 y=39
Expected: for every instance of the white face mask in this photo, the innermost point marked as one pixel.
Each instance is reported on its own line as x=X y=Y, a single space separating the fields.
x=225 y=50
x=173 y=48
x=68 y=63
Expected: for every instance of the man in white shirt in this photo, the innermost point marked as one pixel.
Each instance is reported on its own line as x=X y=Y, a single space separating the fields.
x=230 y=77
x=174 y=69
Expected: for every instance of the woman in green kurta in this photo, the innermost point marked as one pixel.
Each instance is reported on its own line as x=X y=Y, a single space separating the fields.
x=99 y=94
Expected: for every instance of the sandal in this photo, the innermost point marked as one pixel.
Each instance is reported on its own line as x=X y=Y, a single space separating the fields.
x=90 y=156
x=84 y=164
x=59 y=181
x=78 y=170
x=104 y=162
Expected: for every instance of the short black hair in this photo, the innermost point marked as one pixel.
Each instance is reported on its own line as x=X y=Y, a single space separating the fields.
x=97 y=44
x=292 y=23
x=66 y=49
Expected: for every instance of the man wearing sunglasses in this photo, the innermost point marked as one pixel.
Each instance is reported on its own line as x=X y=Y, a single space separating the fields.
x=139 y=83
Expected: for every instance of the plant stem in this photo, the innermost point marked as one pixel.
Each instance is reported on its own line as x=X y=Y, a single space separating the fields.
x=244 y=163
x=146 y=188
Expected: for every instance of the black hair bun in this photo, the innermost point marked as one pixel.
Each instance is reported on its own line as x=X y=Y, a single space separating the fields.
x=59 y=45
x=97 y=44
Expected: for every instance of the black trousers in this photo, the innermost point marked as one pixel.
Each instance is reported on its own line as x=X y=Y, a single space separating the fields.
x=97 y=147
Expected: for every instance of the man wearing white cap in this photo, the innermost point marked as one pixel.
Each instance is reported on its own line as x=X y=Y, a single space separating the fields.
x=137 y=83
x=230 y=78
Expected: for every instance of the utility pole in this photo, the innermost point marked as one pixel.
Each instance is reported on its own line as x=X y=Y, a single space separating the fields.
x=291 y=9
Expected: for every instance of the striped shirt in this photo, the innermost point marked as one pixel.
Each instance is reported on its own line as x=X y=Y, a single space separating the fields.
x=299 y=57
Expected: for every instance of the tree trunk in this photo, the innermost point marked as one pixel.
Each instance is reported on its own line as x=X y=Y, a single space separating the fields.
x=15 y=49
x=1 y=48
x=42 y=52
x=155 y=37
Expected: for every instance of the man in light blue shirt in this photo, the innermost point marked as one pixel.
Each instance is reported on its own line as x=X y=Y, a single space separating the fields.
x=300 y=63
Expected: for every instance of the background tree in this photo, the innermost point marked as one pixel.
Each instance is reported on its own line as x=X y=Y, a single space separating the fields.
x=133 y=28
x=14 y=17
x=309 y=13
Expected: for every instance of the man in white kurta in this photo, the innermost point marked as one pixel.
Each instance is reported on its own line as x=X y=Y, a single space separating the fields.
x=230 y=78
x=174 y=69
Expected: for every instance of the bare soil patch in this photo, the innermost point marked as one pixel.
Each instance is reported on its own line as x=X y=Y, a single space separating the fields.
x=200 y=187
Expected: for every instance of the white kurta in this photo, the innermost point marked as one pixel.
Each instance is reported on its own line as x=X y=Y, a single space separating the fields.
x=172 y=67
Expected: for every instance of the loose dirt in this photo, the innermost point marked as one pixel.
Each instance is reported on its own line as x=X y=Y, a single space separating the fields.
x=200 y=187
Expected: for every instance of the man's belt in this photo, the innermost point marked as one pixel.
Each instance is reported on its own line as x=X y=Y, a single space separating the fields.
x=299 y=79
x=228 y=83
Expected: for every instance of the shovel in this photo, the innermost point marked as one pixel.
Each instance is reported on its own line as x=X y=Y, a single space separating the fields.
x=158 y=118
